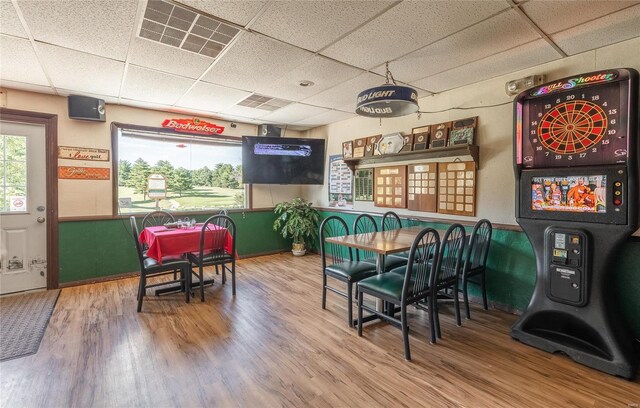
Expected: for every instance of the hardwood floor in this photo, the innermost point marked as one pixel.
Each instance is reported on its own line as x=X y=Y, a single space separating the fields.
x=273 y=345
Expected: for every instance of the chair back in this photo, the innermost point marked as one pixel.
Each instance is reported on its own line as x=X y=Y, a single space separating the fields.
x=157 y=218
x=390 y=221
x=136 y=239
x=224 y=211
x=422 y=263
x=213 y=237
x=333 y=226
x=478 y=249
x=449 y=259
x=364 y=224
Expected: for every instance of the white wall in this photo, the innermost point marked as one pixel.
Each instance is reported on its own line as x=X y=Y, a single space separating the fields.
x=94 y=198
x=496 y=183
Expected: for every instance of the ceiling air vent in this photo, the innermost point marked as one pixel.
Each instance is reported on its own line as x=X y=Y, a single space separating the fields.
x=182 y=28
x=263 y=102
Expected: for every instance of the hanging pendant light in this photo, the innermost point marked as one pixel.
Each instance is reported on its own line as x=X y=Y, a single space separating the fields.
x=387 y=101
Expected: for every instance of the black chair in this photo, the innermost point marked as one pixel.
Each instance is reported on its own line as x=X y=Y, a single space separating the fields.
x=212 y=251
x=150 y=268
x=449 y=270
x=412 y=286
x=157 y=218
x=475 y=261
x=390 y=221
x=365 y=224
x=224 y=211
x=342 y=267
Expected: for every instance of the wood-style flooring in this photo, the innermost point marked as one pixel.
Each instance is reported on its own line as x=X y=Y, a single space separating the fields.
x=274 y=346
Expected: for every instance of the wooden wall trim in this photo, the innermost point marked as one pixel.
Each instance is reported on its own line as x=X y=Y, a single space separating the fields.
x=50 y=122
x=506 y=227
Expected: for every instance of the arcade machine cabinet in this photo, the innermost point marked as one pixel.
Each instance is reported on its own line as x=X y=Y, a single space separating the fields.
x=577 y=199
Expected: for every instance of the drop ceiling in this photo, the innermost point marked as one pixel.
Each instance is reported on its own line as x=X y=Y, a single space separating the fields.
x=208 y=56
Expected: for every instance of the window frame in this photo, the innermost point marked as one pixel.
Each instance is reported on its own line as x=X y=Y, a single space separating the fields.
x=6 y=208
x=117 y=127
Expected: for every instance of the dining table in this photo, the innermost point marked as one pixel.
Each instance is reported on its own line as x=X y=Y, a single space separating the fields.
x=382 y=243
x=163 y=242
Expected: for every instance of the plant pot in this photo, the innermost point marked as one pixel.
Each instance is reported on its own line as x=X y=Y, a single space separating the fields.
x=298 y=249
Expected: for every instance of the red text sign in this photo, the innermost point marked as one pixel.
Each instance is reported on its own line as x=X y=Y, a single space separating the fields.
x=196 y=126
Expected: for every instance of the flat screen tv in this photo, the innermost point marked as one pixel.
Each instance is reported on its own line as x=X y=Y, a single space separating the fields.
x=282 y=160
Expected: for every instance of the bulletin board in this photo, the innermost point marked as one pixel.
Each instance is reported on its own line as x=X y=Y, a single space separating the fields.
x=340 y=183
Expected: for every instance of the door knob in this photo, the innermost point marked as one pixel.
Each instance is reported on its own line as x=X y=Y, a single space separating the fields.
x=40 y=220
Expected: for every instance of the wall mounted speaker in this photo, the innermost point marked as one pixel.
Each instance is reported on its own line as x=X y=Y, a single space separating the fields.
x=86 y=108
x=269 y=130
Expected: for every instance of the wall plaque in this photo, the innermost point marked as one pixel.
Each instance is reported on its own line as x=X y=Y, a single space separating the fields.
x=84 y=173
x=82 y=153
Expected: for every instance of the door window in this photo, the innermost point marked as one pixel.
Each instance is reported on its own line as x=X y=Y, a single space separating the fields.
x=13 y=173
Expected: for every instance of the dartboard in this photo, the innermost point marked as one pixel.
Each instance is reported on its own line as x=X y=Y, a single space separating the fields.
x=572 y=127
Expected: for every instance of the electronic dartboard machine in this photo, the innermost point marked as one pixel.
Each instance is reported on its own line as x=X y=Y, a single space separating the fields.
x=577 y=199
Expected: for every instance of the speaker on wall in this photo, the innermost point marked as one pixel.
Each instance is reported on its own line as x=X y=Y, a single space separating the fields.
x=86 y=108
x=269 y=130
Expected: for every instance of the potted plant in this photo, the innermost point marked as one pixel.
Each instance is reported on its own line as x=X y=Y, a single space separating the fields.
x=299 y=221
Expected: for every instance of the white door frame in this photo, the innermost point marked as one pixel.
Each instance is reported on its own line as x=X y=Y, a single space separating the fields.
x=50 y=122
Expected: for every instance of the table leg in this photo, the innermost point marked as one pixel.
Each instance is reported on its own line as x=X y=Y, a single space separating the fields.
x=380 y=306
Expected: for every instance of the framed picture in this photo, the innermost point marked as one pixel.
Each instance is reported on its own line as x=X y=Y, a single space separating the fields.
x=421 y=137
x=359 y=146
x=364 y=185
x=408 y=143
x=463 y=131
x=347 y=150
x=390 y=143
x=440 y=134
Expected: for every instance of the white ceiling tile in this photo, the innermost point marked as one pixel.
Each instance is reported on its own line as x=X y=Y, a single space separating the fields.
x=616 y=27
x=326 y=118
x=499 y=33
x=244 y=111
x=25 y=87
x=19 y=62
x=68 y=69
x=554 y=16
x=145 y=105
x=344 y=94
x=211 y=97
x=323 y=21
x=9 y=22
x=294 y=113
x=237 y=11
x=323 y=72
x=152 y=86
x=161 y=57
x=93 y=26
x=407 y=27
x=534 y=53
x=255 y=60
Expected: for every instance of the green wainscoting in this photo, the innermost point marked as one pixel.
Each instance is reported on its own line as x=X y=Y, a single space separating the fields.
x=511 y=274
x=97 y=249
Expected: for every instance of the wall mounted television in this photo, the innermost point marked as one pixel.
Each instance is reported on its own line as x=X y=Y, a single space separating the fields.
x=282 y=160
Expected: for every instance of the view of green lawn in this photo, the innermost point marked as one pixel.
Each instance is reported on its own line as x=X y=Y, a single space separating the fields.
x=196 y=199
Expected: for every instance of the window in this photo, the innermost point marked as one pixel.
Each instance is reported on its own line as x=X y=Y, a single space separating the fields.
x=13 y=173
x=176 y=172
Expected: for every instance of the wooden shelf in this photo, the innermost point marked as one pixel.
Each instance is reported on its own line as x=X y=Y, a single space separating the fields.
x=437 y=152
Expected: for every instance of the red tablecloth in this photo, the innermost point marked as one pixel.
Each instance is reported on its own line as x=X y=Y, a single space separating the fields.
x=164 y=242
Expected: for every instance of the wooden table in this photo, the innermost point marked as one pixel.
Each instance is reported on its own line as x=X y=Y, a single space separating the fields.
x=382 y=243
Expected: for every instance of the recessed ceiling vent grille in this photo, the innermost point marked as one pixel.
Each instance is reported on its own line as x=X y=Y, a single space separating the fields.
x=179 y=27
x=263 y=102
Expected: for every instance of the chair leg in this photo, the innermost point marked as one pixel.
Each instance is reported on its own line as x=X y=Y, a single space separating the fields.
x=360 y=298
x=142 y=290
x=350 y=303
x=484 y=291
x=432 y=323
x=217 y=271
x=456 y=303
x=436 y=314
x=405 y=331
x=233 y=278
x=224 y=274
x=201 y=283
x=465 y=296
x=186 y=275
x=324 y=290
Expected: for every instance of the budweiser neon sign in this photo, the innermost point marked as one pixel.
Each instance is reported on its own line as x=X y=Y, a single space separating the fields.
x=195 y=126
